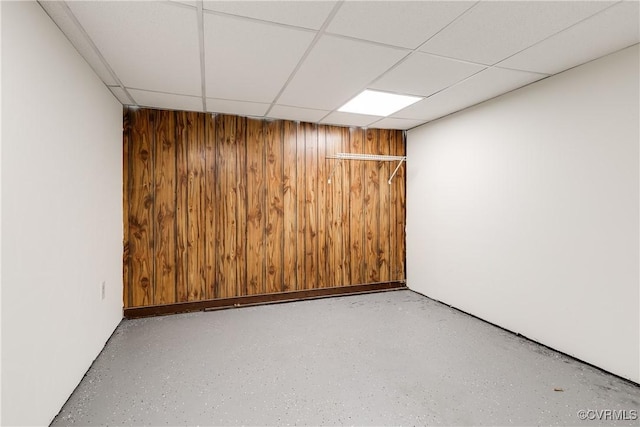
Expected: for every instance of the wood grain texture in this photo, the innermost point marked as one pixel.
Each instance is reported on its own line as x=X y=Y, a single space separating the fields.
x=182 y=184
x=241 y=206
x=356 y=209
x=393 y=195
x=195 y=207
x=141 y=218
x=384 y=170
x=310 y=279
x=290 y=210
x=333 y=211
x=321 y=208
x=371 y=209
x=400 y=210
x=275 y=206
x=256 y=210
x=210 y=202
x=345 y=209
x=220 y=206
x=225 y=208
x=301 y=223
x=165 y=207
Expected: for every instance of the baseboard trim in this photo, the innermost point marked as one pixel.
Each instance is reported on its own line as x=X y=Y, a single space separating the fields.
x=248 y=300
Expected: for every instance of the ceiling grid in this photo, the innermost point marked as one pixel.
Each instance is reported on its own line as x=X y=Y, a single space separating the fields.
x=302 y=60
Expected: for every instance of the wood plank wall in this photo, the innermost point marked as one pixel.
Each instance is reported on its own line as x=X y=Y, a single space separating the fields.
x=220 y=206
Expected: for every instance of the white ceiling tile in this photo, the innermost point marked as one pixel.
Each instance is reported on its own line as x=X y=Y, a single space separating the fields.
x=167 y=101
x=307 y=14
x=120 y=95
x=58 y=13
x=240 y=108
x=335 y=71
x=480 y=87
x=393 y=123
x=249 y=60
x=423 y=74
x=149 y=45
x=399 y=23
x=349 y=119
x=583 y=42
x=297 y=113
x=493 y=30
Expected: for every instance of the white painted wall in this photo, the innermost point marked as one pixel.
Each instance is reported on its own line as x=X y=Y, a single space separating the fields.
x=61 y=216
x=524 y=211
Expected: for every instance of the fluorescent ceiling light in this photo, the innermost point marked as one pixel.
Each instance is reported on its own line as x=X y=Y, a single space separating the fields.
x=375 y=103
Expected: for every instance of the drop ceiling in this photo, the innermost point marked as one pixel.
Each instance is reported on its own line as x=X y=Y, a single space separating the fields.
x=302 y=60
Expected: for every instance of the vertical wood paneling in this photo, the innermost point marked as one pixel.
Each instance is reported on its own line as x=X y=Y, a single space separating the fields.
x=275 y=206
x=393 y=232
x=290 y=213
x=321 y=208
x=182 y=184
x=210 y=202
x=356 y=209
x=195 y=207
x=345 y=210
x=255 y=208
x=400 y=210
x=310 y=278
x=219 y=206
x=333 y=211
x=225 y=209
x=241 y=204
x=371 y=209
x=165 y=207
x=384 y=212
x=141 y=212
x=126 y=191
x=301 y=207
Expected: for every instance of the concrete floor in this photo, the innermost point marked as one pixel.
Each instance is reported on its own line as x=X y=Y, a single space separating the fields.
x=393 y=358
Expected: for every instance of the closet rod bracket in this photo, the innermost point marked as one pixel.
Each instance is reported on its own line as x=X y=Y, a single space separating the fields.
x=374 y=157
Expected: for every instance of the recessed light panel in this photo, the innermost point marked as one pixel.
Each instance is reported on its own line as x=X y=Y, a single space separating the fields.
x=376 y=103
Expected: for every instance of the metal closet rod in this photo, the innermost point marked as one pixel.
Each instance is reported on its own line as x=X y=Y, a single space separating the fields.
x=374 y=157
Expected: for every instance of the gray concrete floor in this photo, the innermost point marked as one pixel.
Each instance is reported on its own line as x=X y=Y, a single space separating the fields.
x=393 y=358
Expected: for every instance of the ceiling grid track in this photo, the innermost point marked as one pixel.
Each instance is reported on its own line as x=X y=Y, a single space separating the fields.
x=403 y=59
x=84 y=33
x=315 y=40
x=304 y=61
x=554 y=34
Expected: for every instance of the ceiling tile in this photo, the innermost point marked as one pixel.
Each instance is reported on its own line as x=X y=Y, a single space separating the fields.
x=400 y=23
x=240 y=108
x=167 y=101
x=393 y=123
x=120 y=95
x=423 y=74
x=480 y=87
x=349 y=119
x=58 y=12
x=493 y=30
x=335 y=71
x=582 y=42
x=149 y=45
x=249 y=60
x=307 y=14
x=297 y=113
